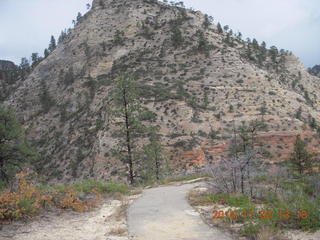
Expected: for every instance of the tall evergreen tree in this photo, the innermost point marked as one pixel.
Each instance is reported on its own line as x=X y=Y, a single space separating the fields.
x=35 y=59
x=24 y=68
x=154 y=156
x=301 y=160
x=46 y=53
x=273 y=52
x=206 y=23
x=176 y=37
x=62 y=36
x=79 y=17
x=220 y=30
x=52 y=45
x=15 y=151
x=126 y=112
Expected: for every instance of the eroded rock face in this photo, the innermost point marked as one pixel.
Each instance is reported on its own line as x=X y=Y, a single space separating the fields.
x=7 y=65
x=8 y=77
x=192 y=91
x=7 y=70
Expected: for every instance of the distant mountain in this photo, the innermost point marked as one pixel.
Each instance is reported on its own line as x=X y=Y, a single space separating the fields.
x=198 y=79
x=315 y=71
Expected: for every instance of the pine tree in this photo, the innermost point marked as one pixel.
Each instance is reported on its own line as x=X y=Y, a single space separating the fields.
x=62 y=36
x=126 y=112
x=206 y=23
x=255 y=43
x=46 y=53
x=220 y=30
x=273 y=53
x=35 y=59
x=176 y=37
x=79 y=17
x=299 y=114
x=154 y=157
x=15 y=151
x=119 y=38
x=52 y=45
x=24 y=68
x=300 y=159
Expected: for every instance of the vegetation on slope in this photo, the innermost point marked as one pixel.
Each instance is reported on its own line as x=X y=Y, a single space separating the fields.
x=258 y=195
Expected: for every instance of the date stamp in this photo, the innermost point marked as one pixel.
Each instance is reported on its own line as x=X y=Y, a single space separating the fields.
x=259 y=214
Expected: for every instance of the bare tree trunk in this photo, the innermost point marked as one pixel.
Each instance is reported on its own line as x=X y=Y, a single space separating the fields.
x=242 y=180
x=234 y=173
x=249 y=180
x=3 y=175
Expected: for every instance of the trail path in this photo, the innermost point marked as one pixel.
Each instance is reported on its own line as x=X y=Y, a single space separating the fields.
x=163 y=213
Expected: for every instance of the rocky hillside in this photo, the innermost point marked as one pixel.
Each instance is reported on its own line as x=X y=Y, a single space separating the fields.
x=197 y=78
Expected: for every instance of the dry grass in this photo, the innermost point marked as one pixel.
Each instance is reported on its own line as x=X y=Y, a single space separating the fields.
x=195 y=199
x=135 y=191
x=266 y=233
x=117 y=196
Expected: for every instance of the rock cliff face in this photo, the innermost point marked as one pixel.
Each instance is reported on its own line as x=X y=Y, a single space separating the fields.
x=197 y=79
x=7 y=65
x=8 y=76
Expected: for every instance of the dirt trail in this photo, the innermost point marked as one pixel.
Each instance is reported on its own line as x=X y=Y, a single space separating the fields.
x=163 y=213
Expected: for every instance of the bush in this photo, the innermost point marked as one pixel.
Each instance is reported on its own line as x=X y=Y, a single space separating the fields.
x=117 y=188
x=148 y=116
x=119 y=38
x=241 y=201
x=88 y=186
x=176 y=37
x=28 y=199
x=47 y=102
x=297 y=196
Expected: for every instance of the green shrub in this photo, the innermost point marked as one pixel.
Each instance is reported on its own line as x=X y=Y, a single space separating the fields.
x=250 y=230
x=119 y=38
x=47 y=102
x=148 y=116
x=114 y=188
x=88 y=186
x=241 y=201
x=176 y=36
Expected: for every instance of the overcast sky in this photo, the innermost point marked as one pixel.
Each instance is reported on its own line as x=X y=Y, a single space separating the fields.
x=26 y=25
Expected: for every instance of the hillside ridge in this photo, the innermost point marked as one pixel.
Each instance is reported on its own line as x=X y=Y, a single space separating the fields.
x=198 y=80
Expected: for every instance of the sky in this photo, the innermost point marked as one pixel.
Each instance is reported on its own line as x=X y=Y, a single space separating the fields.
x=26 y=25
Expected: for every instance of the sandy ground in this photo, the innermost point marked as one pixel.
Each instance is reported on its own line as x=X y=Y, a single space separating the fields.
x=100 y=224
x=297 y=235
